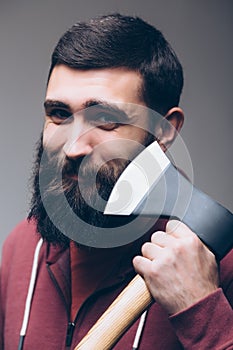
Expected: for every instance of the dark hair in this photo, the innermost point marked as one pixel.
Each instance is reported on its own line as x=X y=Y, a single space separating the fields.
x=122 y=41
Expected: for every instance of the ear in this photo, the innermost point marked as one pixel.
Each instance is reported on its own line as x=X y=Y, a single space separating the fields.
x=169 y=127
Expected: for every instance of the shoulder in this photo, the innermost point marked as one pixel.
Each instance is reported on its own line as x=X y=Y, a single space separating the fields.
x=226 y=268
x=17 y=256
x=226 y=276
x=21 y=240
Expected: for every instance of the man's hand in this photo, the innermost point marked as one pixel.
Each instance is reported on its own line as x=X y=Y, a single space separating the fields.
x=177 y=267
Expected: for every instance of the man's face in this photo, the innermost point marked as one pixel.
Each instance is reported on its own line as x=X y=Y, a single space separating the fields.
x=81 y=93
x=92 y=129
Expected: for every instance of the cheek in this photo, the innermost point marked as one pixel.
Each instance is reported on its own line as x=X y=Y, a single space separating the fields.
x=116 y=148
x=136 y=133
x=54 y=136
x=131 y=141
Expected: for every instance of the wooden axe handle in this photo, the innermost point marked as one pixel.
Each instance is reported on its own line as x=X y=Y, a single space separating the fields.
x=125 y=309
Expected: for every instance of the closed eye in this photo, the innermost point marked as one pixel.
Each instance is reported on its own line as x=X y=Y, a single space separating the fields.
x=106 y=121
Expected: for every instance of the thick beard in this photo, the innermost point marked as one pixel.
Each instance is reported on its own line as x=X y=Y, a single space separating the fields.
x=97 y=192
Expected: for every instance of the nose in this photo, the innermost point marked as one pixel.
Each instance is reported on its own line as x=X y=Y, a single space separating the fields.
x=80 y=141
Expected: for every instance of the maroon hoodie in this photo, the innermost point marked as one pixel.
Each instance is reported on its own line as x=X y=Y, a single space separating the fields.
x=205 y=325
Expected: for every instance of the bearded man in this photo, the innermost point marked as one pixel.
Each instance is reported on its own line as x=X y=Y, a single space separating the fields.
x=107 y=76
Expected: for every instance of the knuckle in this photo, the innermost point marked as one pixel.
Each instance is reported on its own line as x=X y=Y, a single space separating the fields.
x=154 y=271
x=169 y=259
x=196 y=244
x=178 y=247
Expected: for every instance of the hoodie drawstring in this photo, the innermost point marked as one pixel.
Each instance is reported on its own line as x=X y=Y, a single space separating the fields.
x=29 y=301
x=139 y=331
x=30 y=294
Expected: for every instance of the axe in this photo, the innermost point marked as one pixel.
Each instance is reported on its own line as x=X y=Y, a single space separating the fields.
x=151 y=187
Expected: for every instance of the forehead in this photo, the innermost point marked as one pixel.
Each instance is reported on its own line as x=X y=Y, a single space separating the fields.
x=74 y=87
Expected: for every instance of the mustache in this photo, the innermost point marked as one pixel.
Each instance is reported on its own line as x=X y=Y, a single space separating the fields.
x=51 y=183
x=62 y=174
x=59 y=172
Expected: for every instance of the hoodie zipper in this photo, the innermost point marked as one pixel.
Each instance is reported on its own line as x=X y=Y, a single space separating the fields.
x=71 y=325
x=69 y=333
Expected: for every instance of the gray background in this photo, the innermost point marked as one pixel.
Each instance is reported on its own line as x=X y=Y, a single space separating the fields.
x=199 y=31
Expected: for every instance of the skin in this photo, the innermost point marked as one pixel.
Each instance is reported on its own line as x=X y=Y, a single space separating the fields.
x=78 y=89
x=178 y=269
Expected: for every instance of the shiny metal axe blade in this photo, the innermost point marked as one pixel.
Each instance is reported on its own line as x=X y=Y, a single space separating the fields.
x=151 y=186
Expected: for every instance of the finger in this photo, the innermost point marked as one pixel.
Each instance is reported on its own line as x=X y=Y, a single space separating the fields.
x=178 y=229
x=162 y=239
x=141 y=265
x=150 y=250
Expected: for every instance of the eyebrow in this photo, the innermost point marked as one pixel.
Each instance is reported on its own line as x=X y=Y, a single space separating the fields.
x=111 y=107
x=49 y=104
